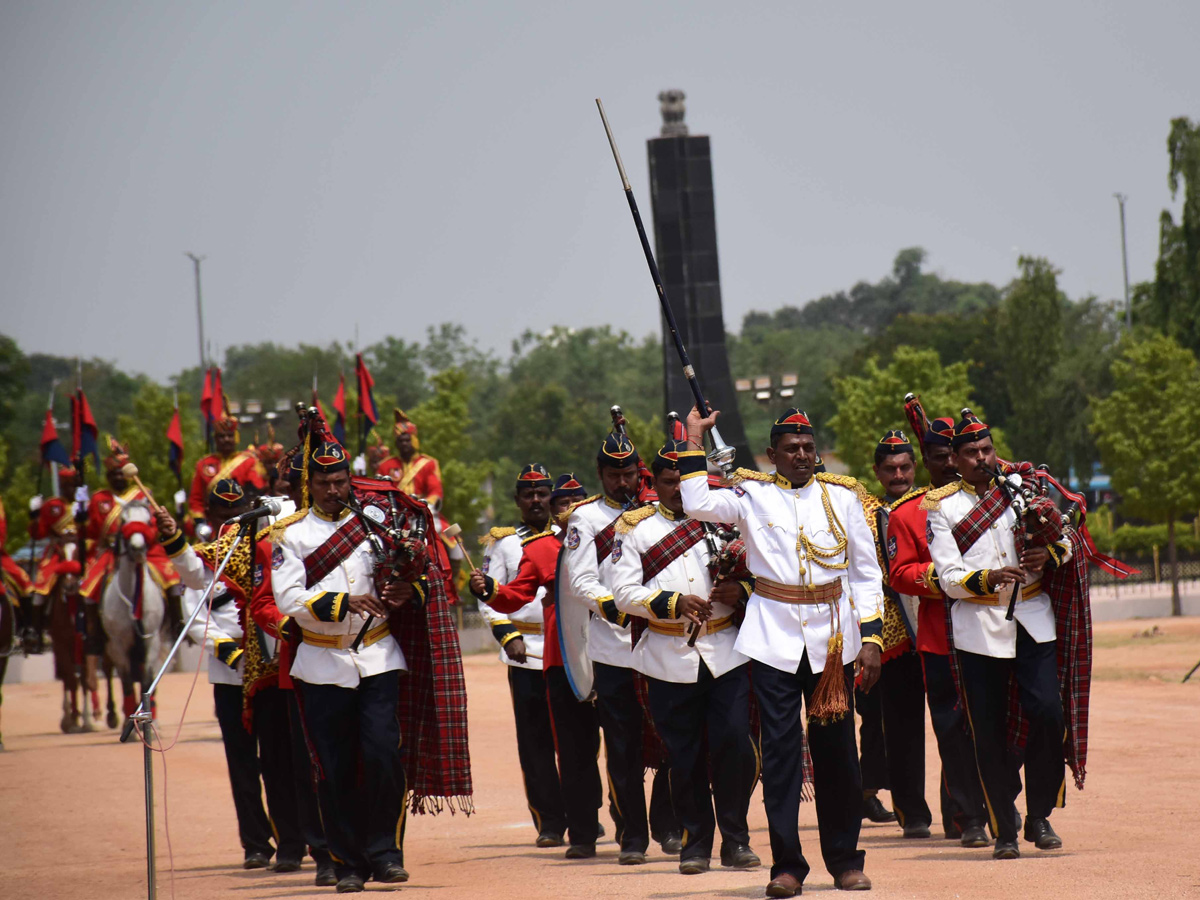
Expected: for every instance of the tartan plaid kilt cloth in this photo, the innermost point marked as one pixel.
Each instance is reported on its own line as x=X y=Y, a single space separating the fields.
x=1068 y=589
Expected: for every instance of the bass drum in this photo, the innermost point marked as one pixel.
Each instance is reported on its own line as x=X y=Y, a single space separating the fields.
x=571 y=619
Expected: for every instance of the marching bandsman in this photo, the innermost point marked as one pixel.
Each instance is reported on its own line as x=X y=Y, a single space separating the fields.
x=567 y=490
x=325 y=583
x=900 y=694
x=576 y=726
x=977 y=563
x=521 y=639
x=413 y=472
x=911 y=573
x=587 y=567
x=255 y=733
x=228 y=462
x=663 y=574
x=103 y=529
x=812 y=554
x=15 y=588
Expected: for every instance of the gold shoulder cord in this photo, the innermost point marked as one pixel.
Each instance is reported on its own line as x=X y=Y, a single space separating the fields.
x=810 y=552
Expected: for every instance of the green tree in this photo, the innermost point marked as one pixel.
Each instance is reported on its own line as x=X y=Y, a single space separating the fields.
x=445 y=434
x=872 y=403
x=1172 y=304
x=1146 y=430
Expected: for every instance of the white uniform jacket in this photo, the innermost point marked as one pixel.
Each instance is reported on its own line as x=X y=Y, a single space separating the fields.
x=588 y=581
x=778 y=522
x=501 y=559
x=323 y=608
x=668 y=657
x=980 y=626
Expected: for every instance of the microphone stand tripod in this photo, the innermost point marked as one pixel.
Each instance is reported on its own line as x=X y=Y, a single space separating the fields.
x=143 y=719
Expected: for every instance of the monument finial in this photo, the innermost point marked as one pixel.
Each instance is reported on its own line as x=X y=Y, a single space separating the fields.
x=672 y=108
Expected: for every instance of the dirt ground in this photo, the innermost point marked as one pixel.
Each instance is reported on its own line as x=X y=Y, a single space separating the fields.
x=72 y=817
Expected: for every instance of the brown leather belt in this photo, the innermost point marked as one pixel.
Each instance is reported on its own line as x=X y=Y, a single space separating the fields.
x=1027 y=592
x=343 y=641
x=528 y=627
x=681 y=629
x=794 y=593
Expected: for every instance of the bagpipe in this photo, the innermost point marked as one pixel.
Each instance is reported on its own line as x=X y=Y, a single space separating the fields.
x=726 y=558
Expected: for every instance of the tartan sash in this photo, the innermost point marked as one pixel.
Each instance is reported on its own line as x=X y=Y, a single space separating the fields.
x=982 y=516
x=337 y=547
x=604 y=540
x=670 y=547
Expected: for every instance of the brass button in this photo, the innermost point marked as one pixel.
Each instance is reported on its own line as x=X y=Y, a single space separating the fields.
x=804 y=621
x=685 y=555
x=691 y=579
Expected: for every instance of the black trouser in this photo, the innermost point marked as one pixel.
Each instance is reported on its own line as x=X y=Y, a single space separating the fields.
x=873 y=760
x=961 y=793
x=902 y=696
x=356 y=733
x=782 y=698
x=621 y=717
x=241 y=756
x=702 y=722
x=274 y=735
x=985 y=682
x=305 y=784
x=535 y=749
x=577 y=740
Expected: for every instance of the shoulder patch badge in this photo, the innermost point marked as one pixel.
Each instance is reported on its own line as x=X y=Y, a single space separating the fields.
x=616 y=550
x=276 y=557
x=928 y=532
x=891 y=544
x=258 y=574
x=572 y=537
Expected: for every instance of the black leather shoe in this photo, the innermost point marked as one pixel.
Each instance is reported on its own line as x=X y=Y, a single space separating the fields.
x=974 y=836
x=739 y=856
x=916 y=830
x=351 y=884
x=286 y=865
x=581 y=851
x=875 y=811
x=696 y=865
x=549 y=839
x=1006 y=850
x=256 y=861
x=326 y=875
x=392 y=873
x=631 y=858
x=672 y=844
x=1039 y=833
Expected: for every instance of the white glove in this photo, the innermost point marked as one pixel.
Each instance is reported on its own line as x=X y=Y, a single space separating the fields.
x=180 y=498
x=360 y=464
x=204 y=532
x=81 y=494
x=35 y=503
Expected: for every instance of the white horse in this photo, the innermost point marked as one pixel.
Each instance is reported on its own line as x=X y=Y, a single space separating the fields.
x=135 y=642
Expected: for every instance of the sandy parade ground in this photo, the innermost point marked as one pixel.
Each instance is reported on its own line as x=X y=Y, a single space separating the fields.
x=72 y=821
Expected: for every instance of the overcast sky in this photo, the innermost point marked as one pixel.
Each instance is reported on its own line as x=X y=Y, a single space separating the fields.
x=402 y=164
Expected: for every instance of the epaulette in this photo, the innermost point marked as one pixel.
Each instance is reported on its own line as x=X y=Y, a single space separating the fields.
x=740 y=475
x=495 y=534
x=933 y=499
x=915 y=492
x=629 y=519
x=536 y=537
x=276 y=530
x=566 y=513
x=868 y=499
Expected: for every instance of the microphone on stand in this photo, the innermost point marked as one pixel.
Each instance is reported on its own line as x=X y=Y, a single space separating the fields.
x=266 y=508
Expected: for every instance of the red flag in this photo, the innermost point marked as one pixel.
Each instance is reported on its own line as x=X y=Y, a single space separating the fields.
x=206 y=396
x=366 y=392
x=220 y=404
x=339 y=407
x=52 y=448
x=85 y=436
x=175 y=451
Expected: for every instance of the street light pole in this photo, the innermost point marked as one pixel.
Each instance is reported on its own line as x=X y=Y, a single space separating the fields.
x=1121 y=198
x=196 y=260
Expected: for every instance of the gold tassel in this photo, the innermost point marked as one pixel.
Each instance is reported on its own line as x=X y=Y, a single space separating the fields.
x=829 y=701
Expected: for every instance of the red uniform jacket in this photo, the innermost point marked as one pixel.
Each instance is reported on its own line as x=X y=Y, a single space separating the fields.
x=420 y=478
x=243 y=467
x=539 y=561
x=265 y=613
x=103 y=525
x=912 y=572
x=14 y=577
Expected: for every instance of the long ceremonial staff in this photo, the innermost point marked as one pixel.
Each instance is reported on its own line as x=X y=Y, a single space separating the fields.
x=722 y=454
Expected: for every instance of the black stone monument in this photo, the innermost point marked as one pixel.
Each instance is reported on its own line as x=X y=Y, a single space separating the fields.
x=685 y=243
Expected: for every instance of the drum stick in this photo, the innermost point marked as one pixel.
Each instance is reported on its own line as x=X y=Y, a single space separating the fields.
x=455 y=531
x=130 y=471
